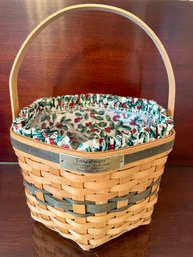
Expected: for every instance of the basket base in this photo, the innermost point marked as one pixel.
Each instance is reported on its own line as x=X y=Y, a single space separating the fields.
x=89 y=241
x=87 y=248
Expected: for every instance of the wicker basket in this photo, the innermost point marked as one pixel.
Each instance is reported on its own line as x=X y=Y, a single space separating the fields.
x=91 y=198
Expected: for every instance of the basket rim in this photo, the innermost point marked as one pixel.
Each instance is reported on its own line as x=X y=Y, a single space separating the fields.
x=121 y=151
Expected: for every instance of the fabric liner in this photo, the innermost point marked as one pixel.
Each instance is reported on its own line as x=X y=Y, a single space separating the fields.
x=93 y=122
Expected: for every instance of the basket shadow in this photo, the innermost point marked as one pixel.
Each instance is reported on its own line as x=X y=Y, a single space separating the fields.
x=49 y=243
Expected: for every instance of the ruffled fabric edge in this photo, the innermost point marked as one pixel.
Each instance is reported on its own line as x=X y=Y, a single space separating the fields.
x=162 y=123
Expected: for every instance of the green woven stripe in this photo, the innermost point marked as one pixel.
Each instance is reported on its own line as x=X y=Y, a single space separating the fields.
x=128 y=158
x=46 y=155
x=91 y=208
x=148 y=152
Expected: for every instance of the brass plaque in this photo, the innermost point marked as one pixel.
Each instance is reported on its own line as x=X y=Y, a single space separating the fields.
x=91 y=165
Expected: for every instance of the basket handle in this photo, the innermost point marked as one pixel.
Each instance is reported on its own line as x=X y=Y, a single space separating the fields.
x=21 y=53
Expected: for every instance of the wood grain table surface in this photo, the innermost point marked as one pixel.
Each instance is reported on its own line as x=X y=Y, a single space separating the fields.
x=170 y=233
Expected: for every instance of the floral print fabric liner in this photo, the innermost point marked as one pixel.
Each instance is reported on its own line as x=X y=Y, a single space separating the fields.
x=93 y=122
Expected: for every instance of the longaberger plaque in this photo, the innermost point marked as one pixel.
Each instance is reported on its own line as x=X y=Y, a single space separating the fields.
x=91 y=165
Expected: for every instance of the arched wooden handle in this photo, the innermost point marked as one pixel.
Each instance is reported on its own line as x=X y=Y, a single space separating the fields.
x=21 y=53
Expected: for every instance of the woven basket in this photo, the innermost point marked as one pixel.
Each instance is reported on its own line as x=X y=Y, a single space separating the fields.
x=91 y=198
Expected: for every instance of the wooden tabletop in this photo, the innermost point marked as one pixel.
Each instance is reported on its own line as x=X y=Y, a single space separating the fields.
x=170 y=233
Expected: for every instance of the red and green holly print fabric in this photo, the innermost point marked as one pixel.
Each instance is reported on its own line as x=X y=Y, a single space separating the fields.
x=93 y=122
